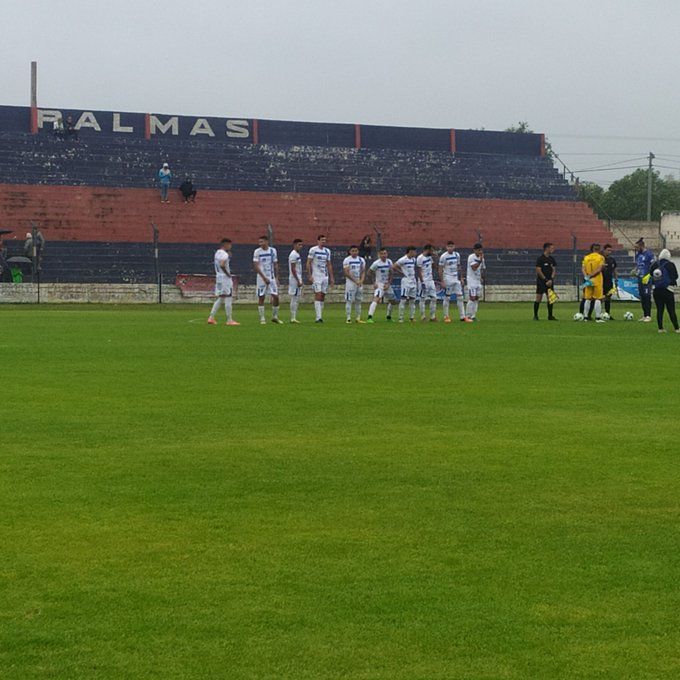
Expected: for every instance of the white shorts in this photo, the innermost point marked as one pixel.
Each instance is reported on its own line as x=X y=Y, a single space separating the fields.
x=453 y=287
x=353 y=293
x=428 y=290
x=476 y=290
x=408 y=290
x=320 y=285
x=294 y=290
x=271 y=288
x=223 y=285
x=382 y=294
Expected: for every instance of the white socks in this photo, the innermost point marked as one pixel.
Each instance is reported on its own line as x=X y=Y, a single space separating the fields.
x=260 y=311
x=433 y=308
x=412 y=309
x=294 y=302
x=402 y=307
x=227 y=305
x=318 y=308
x=586 y=308
x=461 y=307
x=389 y=309
x=275 y=312
x=598 y=309
x=445 y=306
x=422 y=307
x=372 y=307
x=357 y=308
x=216 y=307
x=348 y=310
x=472 y=308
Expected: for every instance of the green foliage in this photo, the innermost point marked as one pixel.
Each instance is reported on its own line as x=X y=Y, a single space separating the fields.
x=626 y=199
x=386 y=502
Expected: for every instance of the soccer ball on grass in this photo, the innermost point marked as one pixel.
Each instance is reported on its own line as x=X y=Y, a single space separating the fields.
x=629 y=316
x=578 y=316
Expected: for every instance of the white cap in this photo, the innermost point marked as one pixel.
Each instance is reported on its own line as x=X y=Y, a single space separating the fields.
x=28 y=234
x=665 y=254
x=165 y=165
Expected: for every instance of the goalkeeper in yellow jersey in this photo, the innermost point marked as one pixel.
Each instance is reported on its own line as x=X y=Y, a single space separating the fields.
x=593 y=288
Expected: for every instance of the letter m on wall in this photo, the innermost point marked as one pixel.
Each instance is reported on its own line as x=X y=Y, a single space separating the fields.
x=155 y=125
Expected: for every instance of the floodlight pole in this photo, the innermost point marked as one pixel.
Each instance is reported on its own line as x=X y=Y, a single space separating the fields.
x=649 y=187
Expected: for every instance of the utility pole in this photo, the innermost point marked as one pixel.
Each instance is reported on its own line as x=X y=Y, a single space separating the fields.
x=649 y=187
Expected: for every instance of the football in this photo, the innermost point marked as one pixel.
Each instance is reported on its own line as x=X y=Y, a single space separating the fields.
x=606 y=316
x=578 y=316
x=657 y=274
x=629 y=316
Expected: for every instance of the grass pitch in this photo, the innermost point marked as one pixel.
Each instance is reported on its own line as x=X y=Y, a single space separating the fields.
x=428 y=501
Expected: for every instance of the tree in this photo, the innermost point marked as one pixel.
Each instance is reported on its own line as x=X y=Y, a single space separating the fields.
x=626 y=199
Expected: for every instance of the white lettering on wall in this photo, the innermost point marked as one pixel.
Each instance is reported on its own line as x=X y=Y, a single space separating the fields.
x=237 y=128
x=201 y=127
x=171 y=124
x=117 y=127
x=48 y=116
x=87 y=120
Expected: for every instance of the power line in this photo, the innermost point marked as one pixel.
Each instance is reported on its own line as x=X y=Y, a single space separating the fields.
x=609 y=165
x=625 y=167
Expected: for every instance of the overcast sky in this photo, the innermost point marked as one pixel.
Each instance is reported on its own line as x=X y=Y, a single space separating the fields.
x=600 y=78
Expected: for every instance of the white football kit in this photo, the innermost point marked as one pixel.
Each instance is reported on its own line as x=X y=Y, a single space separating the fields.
x=356 y=266
x=294 y=287
x=450 y=263
x=320 y=257
x=474 y=277
x=267 y=260
x=427 y=289
x=223 y=282
x=409 y=288
x=381 y=271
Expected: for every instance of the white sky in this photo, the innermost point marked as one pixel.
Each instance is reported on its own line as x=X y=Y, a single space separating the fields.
x=599 y=78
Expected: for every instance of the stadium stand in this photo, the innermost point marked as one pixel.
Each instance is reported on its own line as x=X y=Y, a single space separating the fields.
x=95 y=199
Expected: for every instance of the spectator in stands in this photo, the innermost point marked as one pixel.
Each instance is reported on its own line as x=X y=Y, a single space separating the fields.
x=188 y=191
x=70 y=129
x=59 y=128
x=39 y=247
x=643 y=261
x=366 y=247
x=664 y=280
x=164 y=178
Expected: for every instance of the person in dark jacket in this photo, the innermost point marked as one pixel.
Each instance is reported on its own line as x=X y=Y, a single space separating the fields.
x=664 y=278
x=366 y=247
x=188 y=191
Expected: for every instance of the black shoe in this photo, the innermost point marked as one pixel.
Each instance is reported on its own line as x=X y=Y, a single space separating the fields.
x=552 y=318
x=536 y=318
x=319 y=321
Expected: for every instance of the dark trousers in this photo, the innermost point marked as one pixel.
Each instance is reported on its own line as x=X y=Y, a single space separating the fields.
x=189 y=195
x=665 y=300
x=645 y=293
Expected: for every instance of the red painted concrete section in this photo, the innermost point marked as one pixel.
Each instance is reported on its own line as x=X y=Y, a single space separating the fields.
x=104 y=214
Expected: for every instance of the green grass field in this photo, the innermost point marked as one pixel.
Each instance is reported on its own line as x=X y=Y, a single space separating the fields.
x=498 y=500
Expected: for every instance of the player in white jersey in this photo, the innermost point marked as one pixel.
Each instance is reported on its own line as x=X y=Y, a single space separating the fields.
x=424 y=263
x=406 y=266
x=224 y=288
x=382 y=287
x=295 y=278
x=320 y=273
x=475 y=279
x=266 y=265
x=354 y=268
x=449 y=275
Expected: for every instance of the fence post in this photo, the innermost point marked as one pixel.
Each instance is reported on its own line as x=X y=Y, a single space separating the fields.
x=574 y=270
x=156 y=260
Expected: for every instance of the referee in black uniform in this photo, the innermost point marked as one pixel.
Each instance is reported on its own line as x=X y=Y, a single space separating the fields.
x=546 y=271
x=608 y=278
